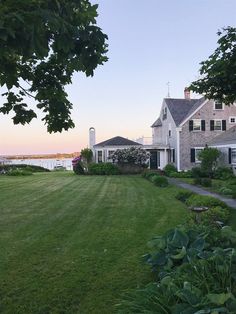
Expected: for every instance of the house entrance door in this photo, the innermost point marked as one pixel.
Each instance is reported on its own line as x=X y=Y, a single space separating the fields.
x=154 y=159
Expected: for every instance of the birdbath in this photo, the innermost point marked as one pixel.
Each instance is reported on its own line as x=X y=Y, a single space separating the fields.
x=198 y=210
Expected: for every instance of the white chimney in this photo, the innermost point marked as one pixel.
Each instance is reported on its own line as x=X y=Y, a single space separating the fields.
x=187 y=93
x=92 y=137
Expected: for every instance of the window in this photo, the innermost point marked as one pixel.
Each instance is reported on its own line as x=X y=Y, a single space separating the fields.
x=169 y=130
x=219 y=105
x=194 y=153
x=110 y=152
x=218 y=125
x=233 y=155
x=100 y=156
x=196 y=125
x=197 y=151
x=232 y=120
x=164 y=113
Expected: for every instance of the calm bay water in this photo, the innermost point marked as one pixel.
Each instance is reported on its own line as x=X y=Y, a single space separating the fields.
x=46 y=163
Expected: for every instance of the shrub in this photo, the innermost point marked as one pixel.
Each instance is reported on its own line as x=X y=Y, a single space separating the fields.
x=225 y=191
x=208 y=157
x=182 y=174
x=197 y=181
x=223 y=173
x=204 y=201
x=169 y=168
x=197 y=172
x=87 y=155
x=103 y=169
x=150 y=174
x=215 y=214
x=206 y=182
x=78 y=168
x=19 y=172
x=132 y=155
x=160 y=181
x=31 y=168
x=184 y=195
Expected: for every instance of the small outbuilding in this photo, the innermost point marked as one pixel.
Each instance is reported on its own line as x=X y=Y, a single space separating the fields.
x=103 y=150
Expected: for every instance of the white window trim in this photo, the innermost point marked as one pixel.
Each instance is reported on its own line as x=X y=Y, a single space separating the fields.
x=200 y=125
x=232 y=117
x=233 y=162
x=223 y=107
x=197 y=161
x=221 y=124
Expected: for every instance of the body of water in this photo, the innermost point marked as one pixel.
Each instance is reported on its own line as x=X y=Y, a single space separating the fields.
x=46 y=163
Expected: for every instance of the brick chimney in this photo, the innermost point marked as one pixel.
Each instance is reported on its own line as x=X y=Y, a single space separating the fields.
x=187 y=93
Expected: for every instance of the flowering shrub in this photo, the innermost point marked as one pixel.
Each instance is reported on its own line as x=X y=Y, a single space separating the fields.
x=133 y=155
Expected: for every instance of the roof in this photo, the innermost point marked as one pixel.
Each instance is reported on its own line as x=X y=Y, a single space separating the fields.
x=118 y=141
x=180 y=109
x=156 y=123
x=228 y=137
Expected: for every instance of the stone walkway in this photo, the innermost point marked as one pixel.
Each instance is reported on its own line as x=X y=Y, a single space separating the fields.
x=229 y=201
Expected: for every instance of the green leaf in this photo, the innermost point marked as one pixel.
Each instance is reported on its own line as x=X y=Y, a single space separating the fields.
x=220 y=298
x=180 y=255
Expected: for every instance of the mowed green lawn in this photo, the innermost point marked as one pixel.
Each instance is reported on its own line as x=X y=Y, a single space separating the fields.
x=73 y=244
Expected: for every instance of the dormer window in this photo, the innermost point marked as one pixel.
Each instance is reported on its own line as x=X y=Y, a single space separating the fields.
x=164 y=113
x=218 y=105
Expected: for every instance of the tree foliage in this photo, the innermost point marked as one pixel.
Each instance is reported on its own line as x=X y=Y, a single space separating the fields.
x=42 y=43
x=208 y=157
x=87 y=155
x=218 y=73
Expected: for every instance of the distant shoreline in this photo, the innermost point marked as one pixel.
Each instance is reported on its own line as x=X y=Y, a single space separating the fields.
x=42 y=156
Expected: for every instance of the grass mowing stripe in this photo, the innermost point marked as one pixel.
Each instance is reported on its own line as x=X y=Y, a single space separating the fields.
x=72 y=244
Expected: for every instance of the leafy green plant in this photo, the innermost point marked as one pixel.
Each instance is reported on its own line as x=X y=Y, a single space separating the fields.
x=150 y=174
x=204 y=201
x=182 y=174
x=79 y=168
x=160 y=181
x=103 y=169
x=225 y=191
x=209 y=157
x=19 y=172
x=169 y=168
x=184 y=195
x=206 y=182
x=204 y=283
x=87 y=155
x=223 y=173
x=215 y=214
x=31 y=168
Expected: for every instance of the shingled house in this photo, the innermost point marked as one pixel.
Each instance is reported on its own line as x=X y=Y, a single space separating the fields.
x=104 y=149
x=185 y=126
x=226 y=143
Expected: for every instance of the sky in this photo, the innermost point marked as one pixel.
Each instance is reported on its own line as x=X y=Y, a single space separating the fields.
x=151 y=42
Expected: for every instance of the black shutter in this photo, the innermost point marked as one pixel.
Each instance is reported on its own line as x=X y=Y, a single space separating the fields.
x=229 y=153
x=203 y=125
x=223 y=125
x=192 y=159
x=212 y=125
x=190 y=125
x=173 y=156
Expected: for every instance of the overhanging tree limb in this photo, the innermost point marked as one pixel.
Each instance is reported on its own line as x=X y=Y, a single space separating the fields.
x=44 y=43
x=218 y=73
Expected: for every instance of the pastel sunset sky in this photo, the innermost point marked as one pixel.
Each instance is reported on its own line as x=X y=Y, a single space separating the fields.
x=151 y=42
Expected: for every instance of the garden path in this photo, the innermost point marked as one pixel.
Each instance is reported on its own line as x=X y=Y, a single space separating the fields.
x=229 y=201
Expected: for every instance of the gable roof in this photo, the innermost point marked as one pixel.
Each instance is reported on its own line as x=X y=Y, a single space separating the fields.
x=180 y=109
x=157 y=123
x=228 y=137
x=117 y=141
